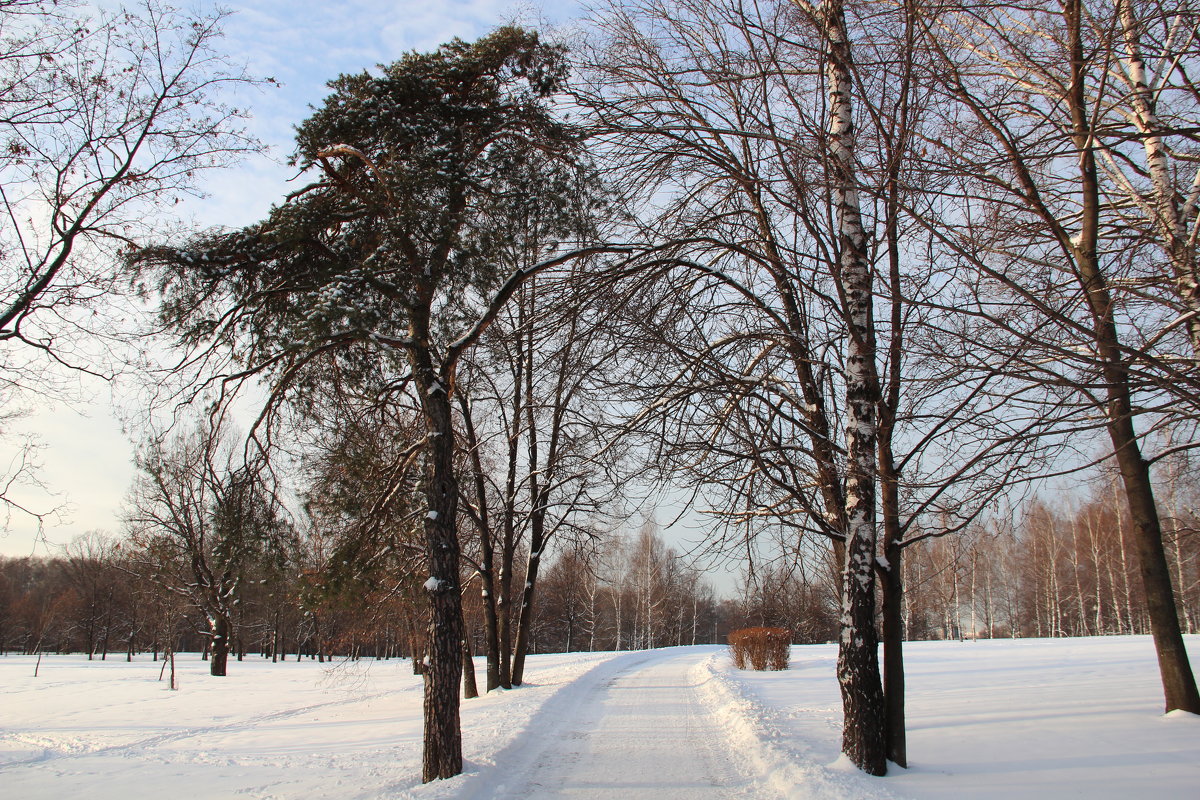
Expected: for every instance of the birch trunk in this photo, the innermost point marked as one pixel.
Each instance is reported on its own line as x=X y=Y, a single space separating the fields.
x=1172 y=216
x=863 y=733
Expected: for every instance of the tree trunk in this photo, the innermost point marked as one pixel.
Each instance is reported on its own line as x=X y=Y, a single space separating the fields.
x=539 y=500
x=275 y=639
x=442 y=734
x=863 y=733
x=1179 y=684
x=536 y=545
x=220 y=645
x=418 y=658
x=487 y=549
x=893 y=654
x=470 y=688
x=891 y=572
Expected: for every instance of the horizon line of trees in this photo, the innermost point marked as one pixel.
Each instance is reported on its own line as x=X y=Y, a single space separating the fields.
x=1060 y=569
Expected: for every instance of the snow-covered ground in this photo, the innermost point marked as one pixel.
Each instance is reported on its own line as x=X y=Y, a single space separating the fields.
x=989 y=719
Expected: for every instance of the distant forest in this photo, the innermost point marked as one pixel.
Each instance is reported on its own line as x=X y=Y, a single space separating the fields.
x=1061 y=571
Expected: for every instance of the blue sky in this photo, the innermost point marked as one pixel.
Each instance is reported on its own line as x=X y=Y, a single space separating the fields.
x=303 y=45
x=87 y=457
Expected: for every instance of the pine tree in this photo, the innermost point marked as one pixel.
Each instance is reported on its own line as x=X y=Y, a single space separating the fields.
x=393 y=256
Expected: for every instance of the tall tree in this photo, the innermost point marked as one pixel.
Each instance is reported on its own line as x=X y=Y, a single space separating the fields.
x=1050 y=252
x=535 y=406
x=391 y=253
x=863 y=732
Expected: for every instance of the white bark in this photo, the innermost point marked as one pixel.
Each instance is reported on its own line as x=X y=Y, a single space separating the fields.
x=1172 y=215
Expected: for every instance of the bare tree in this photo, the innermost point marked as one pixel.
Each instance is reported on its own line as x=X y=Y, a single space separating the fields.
x=207 y=519
x=750 y=333
x=107 y=118
x=534 y=405
x=90 y=564
x=1055 y=283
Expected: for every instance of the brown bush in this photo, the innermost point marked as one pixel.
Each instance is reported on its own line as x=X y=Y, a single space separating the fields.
x=760 y=648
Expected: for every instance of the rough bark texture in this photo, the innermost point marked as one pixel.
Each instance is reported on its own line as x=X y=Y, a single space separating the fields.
x=443 y=670
x=863 y=733
x=220 y=646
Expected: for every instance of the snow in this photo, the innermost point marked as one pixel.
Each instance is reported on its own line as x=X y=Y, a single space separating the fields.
x=433 y=584
x=991 y=720
x=987 y=719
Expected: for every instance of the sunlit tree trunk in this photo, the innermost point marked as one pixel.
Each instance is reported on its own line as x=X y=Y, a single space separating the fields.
x=863 y=733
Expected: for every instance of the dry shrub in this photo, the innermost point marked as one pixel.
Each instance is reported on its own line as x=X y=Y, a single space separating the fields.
x=760 y=648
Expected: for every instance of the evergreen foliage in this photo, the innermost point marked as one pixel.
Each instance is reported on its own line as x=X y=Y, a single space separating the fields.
x=422 y=169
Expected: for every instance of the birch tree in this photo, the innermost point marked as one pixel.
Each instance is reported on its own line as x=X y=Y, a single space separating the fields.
x=1148 y=140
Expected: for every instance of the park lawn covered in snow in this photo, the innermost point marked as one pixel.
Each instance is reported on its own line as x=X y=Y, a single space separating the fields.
x=988 y=719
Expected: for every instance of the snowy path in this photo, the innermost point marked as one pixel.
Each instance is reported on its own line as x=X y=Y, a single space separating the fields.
x=645 y=732
x=657 y=724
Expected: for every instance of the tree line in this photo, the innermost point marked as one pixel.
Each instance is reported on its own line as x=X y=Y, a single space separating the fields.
x=848 y=274
x=1060 y=570
x=98 y=599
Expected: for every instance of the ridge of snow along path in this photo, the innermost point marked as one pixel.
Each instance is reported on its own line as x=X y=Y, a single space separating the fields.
x=665 y=724
x=989 y=720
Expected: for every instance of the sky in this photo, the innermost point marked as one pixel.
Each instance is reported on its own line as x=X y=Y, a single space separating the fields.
x=86 y=455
